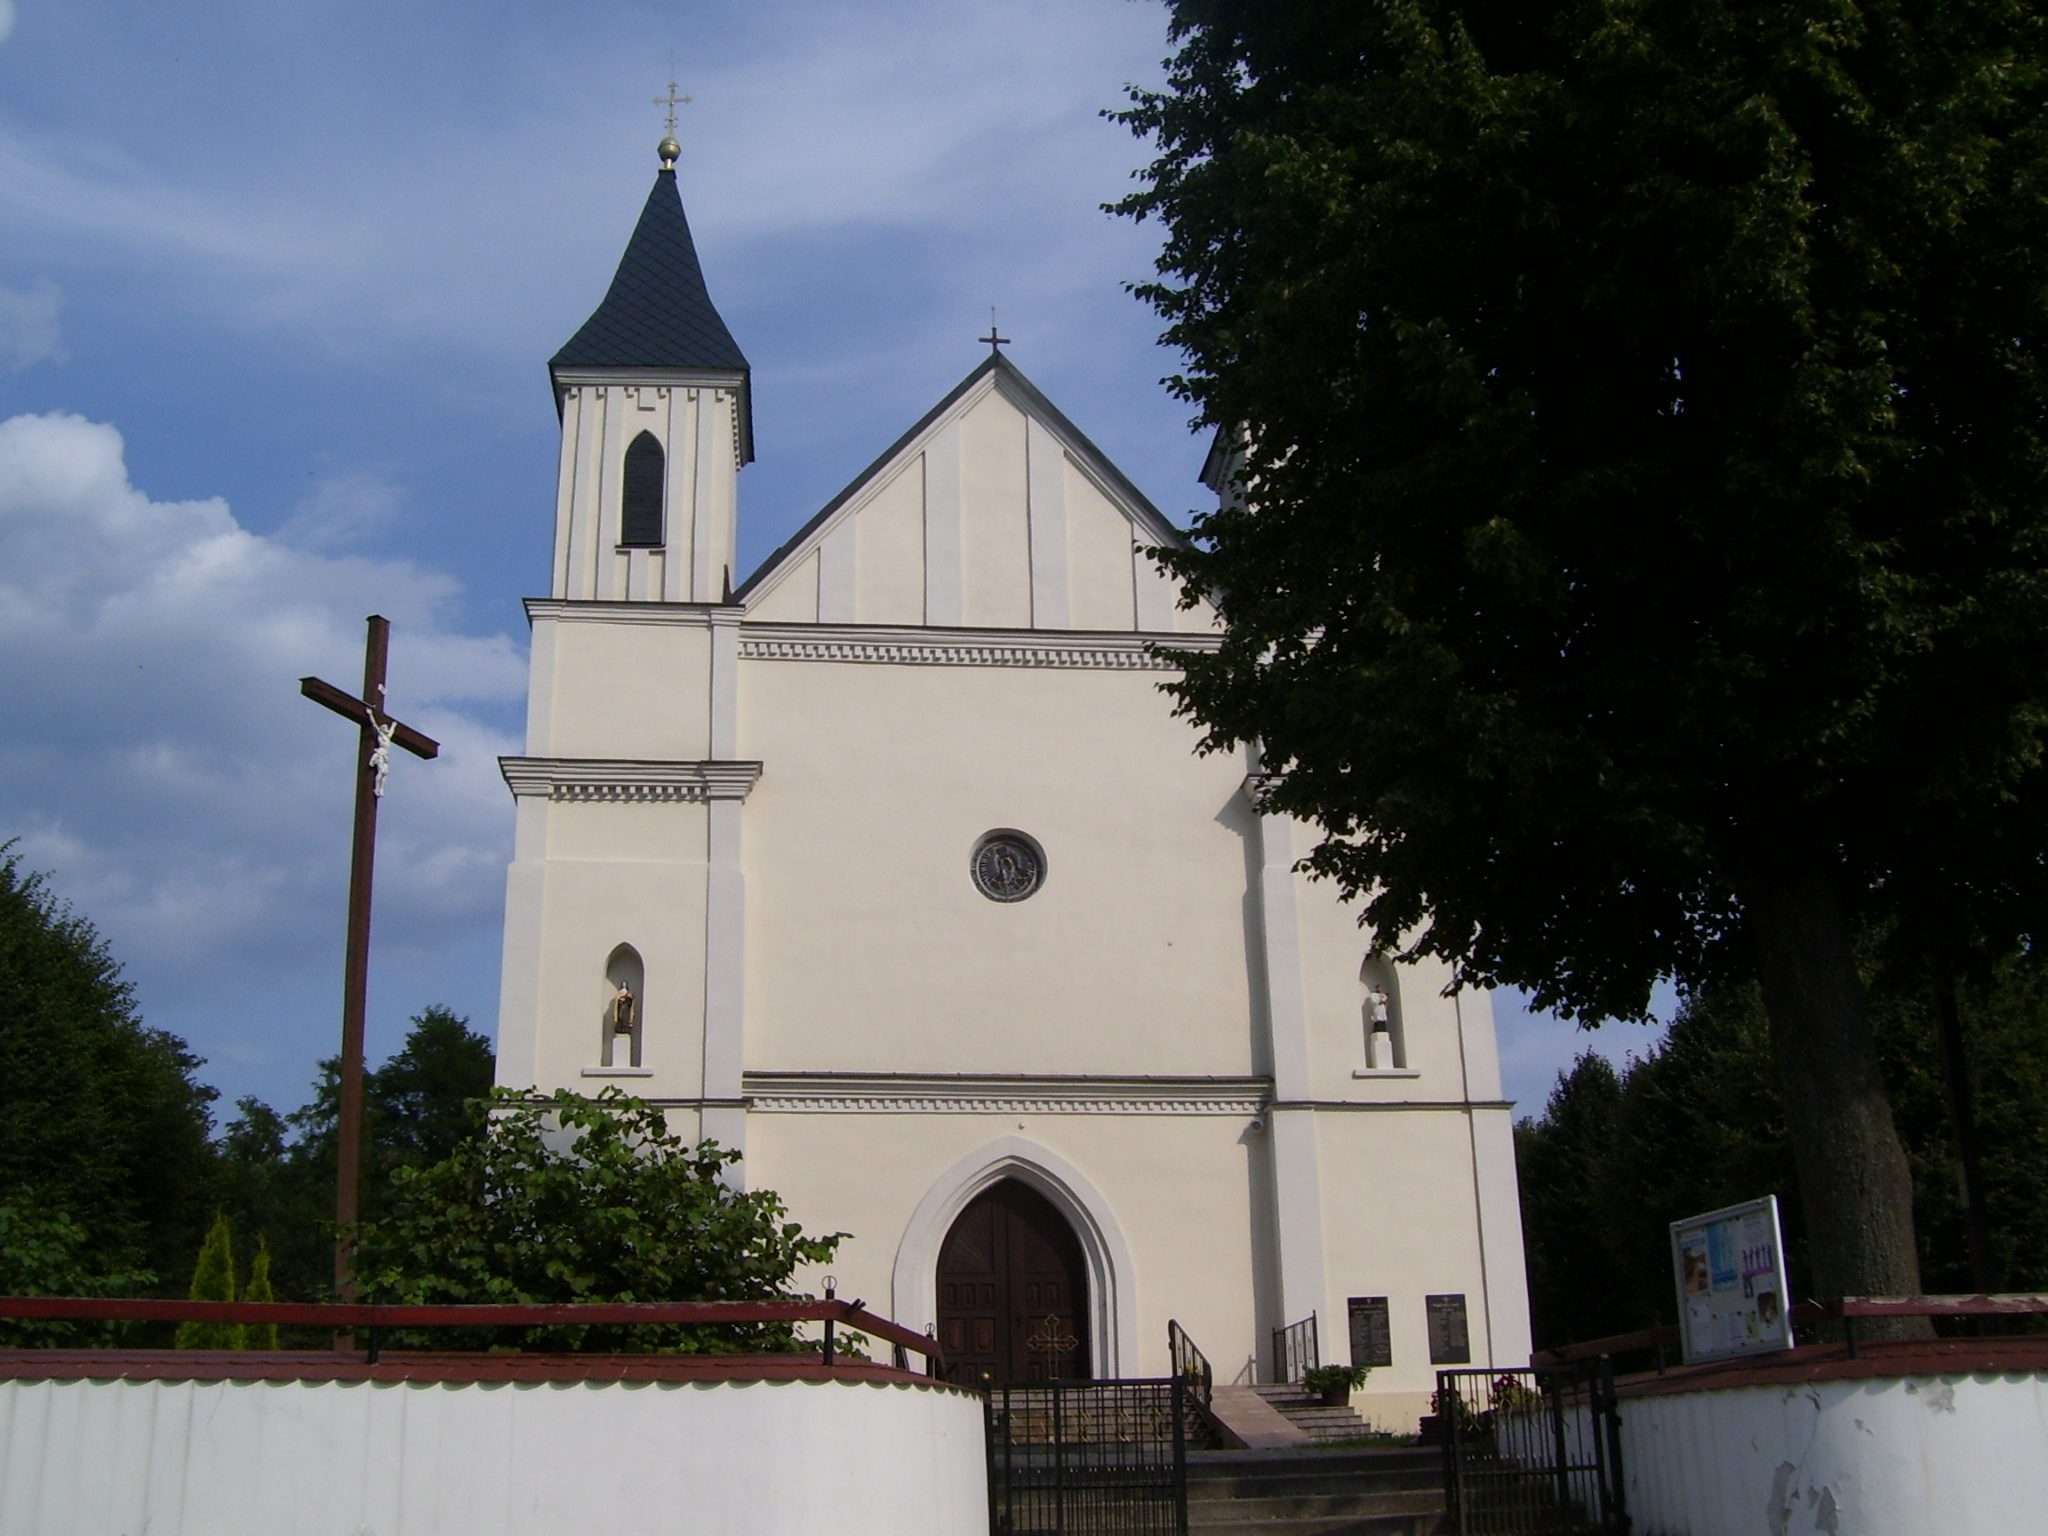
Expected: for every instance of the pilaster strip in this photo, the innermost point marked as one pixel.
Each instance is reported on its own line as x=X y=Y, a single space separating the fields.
x=1045 y=478
x=942 y=526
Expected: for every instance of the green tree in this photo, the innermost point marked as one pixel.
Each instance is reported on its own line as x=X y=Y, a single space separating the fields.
x=100 y=1115
x=420 y=1099
x=564 y=1198
x=278 y=1170
x=1638 y=555
x=259 y=1335
x=213 y=1279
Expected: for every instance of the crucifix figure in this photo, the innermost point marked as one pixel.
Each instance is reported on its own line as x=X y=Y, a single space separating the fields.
x=376 y=732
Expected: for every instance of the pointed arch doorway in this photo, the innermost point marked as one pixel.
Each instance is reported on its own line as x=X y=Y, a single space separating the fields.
x=1013 y=1291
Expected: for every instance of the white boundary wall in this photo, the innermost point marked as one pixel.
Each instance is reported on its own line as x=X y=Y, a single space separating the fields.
x=257 y=1458
x=1875 y=1456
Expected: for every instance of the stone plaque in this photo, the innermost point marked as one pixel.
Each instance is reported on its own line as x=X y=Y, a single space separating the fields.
x=1450 y=1342
x=1372 y=1342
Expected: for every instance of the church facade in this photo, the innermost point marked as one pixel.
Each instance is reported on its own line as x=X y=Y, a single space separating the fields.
x=891 y=867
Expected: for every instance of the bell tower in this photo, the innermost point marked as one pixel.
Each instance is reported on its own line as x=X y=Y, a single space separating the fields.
x=625 y=900
x=656 y=423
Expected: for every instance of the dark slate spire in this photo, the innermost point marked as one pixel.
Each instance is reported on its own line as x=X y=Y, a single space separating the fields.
x=658 y=313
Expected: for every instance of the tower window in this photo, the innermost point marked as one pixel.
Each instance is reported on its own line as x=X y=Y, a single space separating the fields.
x=640 y=506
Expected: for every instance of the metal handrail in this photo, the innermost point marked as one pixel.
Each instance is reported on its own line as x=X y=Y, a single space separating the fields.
x=1296 y=1350
x=1190 y=1365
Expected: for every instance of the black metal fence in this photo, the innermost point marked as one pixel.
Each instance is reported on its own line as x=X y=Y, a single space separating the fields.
x=1296 y=1351
x=1532 y=1452
x=1102 y=1458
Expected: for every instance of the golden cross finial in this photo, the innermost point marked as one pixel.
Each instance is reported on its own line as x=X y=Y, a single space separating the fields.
x=671 y=100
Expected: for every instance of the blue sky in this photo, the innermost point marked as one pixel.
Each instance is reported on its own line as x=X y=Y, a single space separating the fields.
x=278 y=283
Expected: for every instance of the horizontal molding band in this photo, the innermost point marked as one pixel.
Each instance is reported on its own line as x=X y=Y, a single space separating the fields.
x=616 y=611
x=914 y=646
x=1346 y=1106
x=621 y=779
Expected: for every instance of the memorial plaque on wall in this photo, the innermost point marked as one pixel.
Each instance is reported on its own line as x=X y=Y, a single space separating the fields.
x=1450 y=1343
x=1372 y=1342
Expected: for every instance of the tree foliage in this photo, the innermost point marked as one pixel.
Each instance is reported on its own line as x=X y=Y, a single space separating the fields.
x=1639 y=556
x=100 y=1116
x=565 y=1198
x=44 y=1251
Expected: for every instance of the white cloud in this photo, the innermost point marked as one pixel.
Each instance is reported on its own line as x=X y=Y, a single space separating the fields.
x=182 y=793
x=6 y=19
x=341 y=511
x=28 y=316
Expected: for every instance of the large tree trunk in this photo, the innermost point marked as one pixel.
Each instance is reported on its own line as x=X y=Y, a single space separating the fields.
x=1854 y=1183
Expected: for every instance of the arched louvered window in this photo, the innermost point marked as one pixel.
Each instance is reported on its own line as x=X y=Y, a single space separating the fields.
x=640 y=506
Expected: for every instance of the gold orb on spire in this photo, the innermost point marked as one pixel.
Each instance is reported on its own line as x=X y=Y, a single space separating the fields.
x=670 y=151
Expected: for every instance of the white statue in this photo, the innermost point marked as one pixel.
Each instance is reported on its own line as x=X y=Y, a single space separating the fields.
x=1378 y=997
x=380 y=755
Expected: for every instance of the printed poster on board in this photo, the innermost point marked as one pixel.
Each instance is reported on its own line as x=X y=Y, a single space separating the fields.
x=1733 y=1295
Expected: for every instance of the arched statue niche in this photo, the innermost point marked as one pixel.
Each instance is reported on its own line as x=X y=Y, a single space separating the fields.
x=1379 y=986
x=623 y=1008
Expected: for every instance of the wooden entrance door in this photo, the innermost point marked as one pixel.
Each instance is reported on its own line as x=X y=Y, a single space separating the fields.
x=1013 y=1295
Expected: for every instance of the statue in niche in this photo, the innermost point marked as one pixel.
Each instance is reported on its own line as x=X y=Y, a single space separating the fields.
x=622 y=1011
x=1379 y=1043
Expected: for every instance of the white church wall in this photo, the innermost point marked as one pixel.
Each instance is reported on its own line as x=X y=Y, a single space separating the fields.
x=332 y=1458
x=868 y=945
x=1400 y=1210
x=633 y=689
x=1176 y=1192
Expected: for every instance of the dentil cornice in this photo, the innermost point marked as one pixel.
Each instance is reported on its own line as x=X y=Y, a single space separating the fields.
x=916 y=646
x=619 y=779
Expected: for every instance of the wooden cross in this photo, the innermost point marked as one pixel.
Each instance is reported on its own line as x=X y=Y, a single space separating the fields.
x=376 y=733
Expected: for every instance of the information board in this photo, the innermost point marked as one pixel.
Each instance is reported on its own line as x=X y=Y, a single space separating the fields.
x=1450 y=1341
x=1729 y=1266
x=1372 y=1341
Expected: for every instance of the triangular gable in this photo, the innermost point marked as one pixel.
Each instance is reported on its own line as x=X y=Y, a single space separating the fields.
x=993 y=511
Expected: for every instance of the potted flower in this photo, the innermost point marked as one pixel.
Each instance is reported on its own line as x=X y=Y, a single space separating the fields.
x=1334 y=1383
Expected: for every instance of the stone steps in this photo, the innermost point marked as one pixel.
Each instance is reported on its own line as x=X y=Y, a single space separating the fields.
x=1315 y=1493
x=1311 y=1415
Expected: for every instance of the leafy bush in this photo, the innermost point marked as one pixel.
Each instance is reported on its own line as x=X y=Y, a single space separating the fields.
x=574 y=1199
